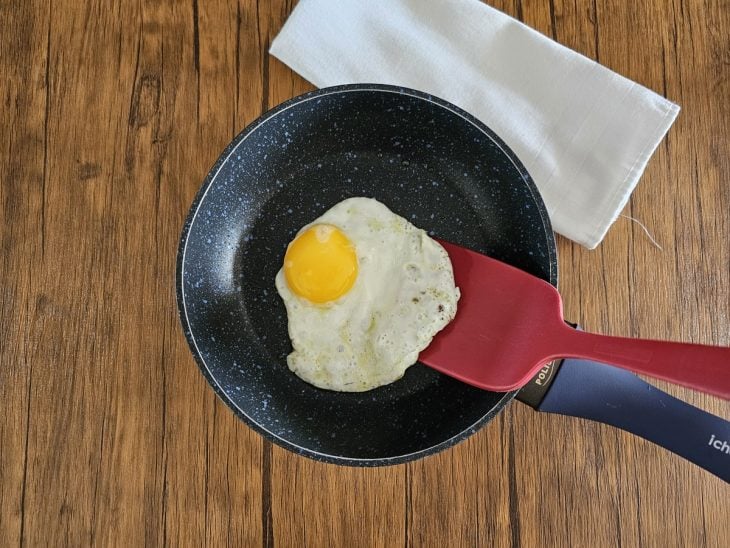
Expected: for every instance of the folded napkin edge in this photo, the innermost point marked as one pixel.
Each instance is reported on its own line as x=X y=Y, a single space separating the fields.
x=615 y=205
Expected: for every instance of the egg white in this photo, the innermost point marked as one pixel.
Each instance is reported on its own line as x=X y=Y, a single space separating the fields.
x=403 y=295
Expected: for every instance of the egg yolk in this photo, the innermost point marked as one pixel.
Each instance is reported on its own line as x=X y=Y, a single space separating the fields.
x=320 y=264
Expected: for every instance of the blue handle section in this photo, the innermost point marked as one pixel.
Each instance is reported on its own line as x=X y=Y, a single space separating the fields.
x=613 y=396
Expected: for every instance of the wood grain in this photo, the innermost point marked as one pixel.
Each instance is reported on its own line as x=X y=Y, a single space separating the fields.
x=113 y=112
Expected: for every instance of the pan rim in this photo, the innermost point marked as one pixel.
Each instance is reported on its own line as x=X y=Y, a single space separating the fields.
x=200 y=198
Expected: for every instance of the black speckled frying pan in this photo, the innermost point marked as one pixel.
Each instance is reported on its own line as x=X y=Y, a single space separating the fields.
x=426 y=160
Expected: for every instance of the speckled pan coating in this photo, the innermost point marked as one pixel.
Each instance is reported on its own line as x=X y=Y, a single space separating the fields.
x=426 y=160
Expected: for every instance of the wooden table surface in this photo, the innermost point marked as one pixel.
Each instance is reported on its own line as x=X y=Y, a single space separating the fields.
x=112 y=113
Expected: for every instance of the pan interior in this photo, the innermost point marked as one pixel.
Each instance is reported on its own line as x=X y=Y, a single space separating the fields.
x=426 y=161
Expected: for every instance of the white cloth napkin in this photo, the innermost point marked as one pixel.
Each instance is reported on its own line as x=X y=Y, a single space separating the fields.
x=583 y=132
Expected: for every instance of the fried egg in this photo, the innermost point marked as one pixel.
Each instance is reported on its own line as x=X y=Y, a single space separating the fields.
x=365 y=291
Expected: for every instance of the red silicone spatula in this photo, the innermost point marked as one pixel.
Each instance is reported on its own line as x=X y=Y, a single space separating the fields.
x=510 y=323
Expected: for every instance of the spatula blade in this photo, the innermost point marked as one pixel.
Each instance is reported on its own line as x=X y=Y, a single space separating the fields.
x=495 y=342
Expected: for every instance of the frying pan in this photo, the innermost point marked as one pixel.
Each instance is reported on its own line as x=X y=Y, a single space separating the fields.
x=431 y=163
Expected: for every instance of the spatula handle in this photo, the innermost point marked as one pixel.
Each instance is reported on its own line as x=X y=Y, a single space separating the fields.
x=696 y=366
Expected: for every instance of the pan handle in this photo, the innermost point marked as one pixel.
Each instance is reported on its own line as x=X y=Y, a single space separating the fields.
x=617 y=397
